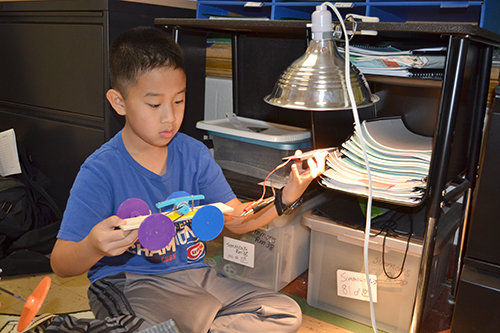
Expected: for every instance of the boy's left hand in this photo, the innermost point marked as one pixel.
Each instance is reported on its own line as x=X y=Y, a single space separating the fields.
x=300 y=178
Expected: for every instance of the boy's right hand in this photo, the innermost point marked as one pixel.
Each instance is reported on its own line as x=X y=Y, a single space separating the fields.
x=109 y=240
x=104 y=240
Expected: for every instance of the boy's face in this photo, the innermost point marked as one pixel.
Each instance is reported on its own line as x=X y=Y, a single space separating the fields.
x=154 y=107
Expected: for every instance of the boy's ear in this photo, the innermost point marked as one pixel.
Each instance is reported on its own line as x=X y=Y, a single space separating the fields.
x=117 y=101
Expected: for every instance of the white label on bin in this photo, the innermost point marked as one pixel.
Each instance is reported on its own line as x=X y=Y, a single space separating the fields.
x=239 y=252
x=353 y=285
x=254 y=4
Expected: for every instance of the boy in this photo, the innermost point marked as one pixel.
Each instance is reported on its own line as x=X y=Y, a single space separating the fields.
x=149 y=159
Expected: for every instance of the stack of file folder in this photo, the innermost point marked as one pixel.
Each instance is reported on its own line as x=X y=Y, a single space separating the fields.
x=399 y=162
x=419 y=63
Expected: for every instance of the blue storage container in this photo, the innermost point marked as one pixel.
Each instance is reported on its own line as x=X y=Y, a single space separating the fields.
x=483 y=13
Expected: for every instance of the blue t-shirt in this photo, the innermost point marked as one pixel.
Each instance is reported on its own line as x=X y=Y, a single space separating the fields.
x=110 y=176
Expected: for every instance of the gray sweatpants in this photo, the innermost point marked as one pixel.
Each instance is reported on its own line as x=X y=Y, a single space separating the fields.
x=198 y=300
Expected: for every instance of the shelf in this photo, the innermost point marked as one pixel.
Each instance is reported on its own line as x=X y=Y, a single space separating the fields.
x=404 y=81
x=407 y=32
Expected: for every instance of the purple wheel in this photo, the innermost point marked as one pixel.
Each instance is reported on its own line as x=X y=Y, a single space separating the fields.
x=132 y=208
x=156 y=232
x=207 y=223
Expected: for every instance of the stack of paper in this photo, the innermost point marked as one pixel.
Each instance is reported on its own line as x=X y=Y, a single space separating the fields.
x=399 y=162
x=423 y=63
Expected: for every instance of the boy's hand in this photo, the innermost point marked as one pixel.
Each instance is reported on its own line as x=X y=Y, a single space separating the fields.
x=300 y=178
x=109 y=240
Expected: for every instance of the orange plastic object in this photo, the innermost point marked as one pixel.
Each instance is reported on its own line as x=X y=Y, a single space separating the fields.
x=33 y=304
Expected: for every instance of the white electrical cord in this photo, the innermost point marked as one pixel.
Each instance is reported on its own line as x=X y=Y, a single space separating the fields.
x=365 y=155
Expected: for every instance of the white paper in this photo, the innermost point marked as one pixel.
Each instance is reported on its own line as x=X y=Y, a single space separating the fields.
x=9 y=159
x=391 y=135
x=239 y=252
x=399 y=162
x=353 y=285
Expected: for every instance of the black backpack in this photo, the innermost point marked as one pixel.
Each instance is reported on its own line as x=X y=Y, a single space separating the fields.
x=29 y=220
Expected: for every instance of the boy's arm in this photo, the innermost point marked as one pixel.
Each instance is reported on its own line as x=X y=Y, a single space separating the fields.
x=298 y=182
x=241 y=225
x=105 y=239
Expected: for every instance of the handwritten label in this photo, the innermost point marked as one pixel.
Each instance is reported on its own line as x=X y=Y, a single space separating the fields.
x=239 y=252
x=353 y=285
x=265 y=240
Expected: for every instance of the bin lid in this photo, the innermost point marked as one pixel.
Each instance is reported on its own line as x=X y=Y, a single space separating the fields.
x=355 y=236
x=253 y=129
x=448 y=224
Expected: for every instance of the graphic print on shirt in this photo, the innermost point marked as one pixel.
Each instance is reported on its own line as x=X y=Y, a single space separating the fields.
x=185 y=247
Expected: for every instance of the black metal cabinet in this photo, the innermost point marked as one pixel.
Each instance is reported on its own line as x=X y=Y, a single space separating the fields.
x=54 y=77
x=484 y=227
x=478 y=295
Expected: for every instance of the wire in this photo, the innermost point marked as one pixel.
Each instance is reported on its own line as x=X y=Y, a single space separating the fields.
x=388 y=228
x=394 y=277
x=12 y=294
x=252 y=204
x=365 y=156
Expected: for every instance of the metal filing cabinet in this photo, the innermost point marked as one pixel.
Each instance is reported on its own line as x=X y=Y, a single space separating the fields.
x=54 y=77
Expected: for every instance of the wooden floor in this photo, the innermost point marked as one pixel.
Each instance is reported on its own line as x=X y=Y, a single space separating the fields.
x=313 y=325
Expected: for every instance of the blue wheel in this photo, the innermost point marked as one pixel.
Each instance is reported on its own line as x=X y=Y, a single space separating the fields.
x=208 y=223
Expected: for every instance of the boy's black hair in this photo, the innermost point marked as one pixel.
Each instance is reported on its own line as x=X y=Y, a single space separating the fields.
x=140 y=50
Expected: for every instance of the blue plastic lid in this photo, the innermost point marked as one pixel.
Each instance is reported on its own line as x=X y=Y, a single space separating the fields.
x=276 y=145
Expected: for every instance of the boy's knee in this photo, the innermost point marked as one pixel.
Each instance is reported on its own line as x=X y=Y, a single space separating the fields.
x=295 y=313
x=288 y=314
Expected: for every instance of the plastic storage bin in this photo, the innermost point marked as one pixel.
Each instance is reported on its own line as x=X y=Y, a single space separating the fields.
x=336 y=264
x=278 y=252
x=254 y=147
